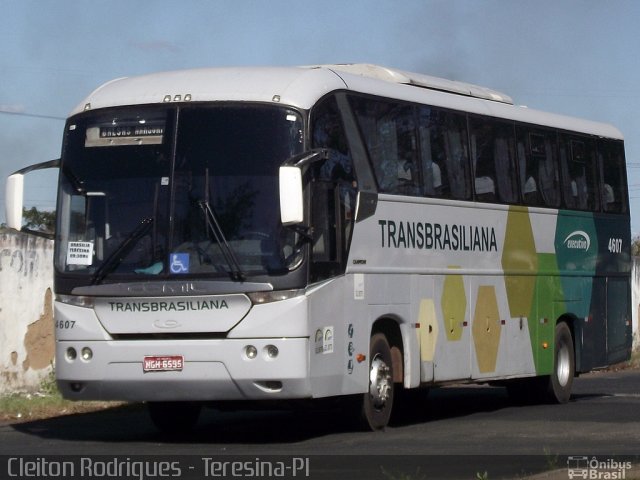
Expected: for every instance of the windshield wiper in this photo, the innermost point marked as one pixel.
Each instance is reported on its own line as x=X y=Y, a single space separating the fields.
x=235 y=272
x=121 y=252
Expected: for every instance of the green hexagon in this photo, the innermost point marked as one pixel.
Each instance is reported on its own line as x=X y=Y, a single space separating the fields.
x=454 y=306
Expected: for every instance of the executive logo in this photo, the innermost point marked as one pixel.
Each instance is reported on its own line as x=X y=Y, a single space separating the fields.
x=578 y=240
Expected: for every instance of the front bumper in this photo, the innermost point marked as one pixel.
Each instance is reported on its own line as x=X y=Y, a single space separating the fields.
x=214 y=369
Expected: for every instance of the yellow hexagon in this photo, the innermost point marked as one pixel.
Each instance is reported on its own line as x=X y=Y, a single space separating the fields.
x=486 y=329
x=454 y=306
x=519 y=262
x=428 y=332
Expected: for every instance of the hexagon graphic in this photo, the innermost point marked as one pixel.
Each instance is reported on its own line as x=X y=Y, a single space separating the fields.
x=454 y=306
x=486 y=329
x=428 y=332
x=519 y=262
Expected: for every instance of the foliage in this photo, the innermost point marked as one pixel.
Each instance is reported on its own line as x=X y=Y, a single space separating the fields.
x=48 y=384
x=38 y=220
x=552 y=459
x=635 y=245
x=24 y=407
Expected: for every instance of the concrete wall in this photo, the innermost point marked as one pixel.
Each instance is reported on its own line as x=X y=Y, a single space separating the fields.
x=26 y=311
x=635 y=301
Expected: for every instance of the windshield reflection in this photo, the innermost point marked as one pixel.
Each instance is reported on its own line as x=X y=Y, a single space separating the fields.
x=118 y=170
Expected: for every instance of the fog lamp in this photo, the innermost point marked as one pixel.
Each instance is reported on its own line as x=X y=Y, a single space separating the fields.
x=272 y=351
x=251 y=352
x=87 y=354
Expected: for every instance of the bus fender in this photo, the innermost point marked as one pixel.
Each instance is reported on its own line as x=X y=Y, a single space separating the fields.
x=411 y=355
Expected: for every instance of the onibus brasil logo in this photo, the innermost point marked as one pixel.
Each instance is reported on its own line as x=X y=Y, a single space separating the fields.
x=578 y=240
x=593 y=468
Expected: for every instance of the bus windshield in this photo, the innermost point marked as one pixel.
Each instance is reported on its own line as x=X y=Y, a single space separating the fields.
x=186 y=191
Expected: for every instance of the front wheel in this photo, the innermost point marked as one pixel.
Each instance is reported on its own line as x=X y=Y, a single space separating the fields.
x=378 y=400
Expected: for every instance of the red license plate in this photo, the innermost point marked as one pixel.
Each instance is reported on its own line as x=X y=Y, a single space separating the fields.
x=162 y=363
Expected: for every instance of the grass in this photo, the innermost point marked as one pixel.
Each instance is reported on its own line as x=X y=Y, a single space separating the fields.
x=20 y=407
x=47 y=402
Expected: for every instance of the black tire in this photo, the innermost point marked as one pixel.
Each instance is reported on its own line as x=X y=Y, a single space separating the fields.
x=564 y=368
x=377 y=403
x=554 y=388
x=174 y=417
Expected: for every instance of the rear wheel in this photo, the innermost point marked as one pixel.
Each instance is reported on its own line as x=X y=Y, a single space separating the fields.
x=554 y=388
x=378 y=400
x=174 y=417
x=561 y=379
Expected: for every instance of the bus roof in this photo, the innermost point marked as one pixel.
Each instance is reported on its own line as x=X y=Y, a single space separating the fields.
x=301 y=87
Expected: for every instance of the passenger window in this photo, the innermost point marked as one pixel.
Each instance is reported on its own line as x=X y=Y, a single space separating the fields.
x=612 y=168
x=493 y=160
x=538 y=167
x=390 y=135
x=444 y=153
x=579 y=181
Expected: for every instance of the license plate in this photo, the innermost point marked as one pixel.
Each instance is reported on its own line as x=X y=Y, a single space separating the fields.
x=162 y=363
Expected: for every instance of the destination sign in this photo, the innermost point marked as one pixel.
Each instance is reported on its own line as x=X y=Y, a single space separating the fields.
x=125 y=134
x=131 y=131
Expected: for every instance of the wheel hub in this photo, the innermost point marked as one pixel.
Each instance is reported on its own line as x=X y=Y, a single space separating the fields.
x=563 y=367
x=379 y=382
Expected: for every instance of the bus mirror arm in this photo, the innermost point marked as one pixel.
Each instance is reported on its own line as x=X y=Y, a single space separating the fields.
x=14 y=196
x=305 y=159
x=305 y=233
x=306 y=236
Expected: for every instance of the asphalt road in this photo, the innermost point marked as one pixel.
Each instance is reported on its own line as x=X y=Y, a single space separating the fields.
x=458 y=433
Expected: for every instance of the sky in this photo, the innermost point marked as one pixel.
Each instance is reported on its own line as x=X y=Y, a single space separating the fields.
x=578 y=58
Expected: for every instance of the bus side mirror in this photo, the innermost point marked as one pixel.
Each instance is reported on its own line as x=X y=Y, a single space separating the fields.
x=291 y=198
x=14 y=196
x=14 y=193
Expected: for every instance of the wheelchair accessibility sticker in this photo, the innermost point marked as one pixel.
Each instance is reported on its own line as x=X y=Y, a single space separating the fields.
x=179 y=262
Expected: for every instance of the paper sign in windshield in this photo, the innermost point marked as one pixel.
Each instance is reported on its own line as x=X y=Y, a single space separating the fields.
x=80 y=253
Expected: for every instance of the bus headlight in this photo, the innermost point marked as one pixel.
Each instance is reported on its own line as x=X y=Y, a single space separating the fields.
x=76 y=300
x=258 y=298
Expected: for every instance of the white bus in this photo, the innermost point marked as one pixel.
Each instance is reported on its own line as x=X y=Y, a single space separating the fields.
x=250 y=234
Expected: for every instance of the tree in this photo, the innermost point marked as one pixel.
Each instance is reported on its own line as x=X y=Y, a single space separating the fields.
x=635 y=246
x=39 y=221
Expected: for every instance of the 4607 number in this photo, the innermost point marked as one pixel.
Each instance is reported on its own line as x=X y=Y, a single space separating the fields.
x=615 y=245
x=65 y=324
